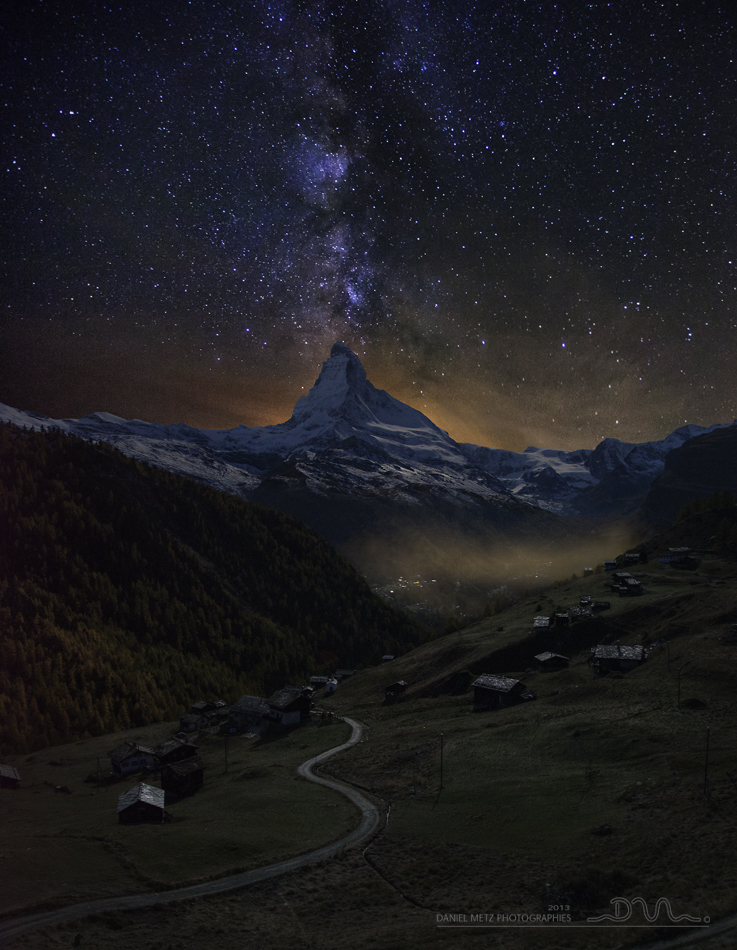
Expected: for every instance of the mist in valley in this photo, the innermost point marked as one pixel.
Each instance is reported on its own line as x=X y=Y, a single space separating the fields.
x=450 y=578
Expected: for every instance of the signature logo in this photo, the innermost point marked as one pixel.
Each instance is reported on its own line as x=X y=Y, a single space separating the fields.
x=623 y=909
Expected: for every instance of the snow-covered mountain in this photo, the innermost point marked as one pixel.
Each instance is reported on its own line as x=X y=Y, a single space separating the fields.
x=347 y=438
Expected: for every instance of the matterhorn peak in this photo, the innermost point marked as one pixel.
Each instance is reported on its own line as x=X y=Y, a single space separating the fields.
x=341 y=377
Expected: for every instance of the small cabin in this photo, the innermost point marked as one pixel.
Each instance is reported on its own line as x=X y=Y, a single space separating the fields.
x=344 y=674
x=493 y=692
x=608 y=658
x=387 y=657
x=9 y=777
x=250 y=714
x=182 y=778
x=142 y=803
x=132 y=757
x=289 y=706
x=395 y=690
x=541 y=624
x=331 y=686
x=551 y=661
x=318 y=682
x=631 y=588
x=174 y=750
x=191 y=722
x=610 y=565
x=587 y=571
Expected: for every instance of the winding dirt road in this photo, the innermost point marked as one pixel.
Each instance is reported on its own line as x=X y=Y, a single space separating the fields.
x=370 y=819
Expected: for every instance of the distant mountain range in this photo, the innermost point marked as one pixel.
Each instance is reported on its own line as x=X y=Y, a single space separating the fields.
x=352 y=458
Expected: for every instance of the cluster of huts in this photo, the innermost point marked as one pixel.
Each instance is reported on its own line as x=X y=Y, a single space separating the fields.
x=494 y=691
x=182 y=771
x=288 y=706
x=624 y=584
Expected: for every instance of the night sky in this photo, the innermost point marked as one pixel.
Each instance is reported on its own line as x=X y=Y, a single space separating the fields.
x=522 y=216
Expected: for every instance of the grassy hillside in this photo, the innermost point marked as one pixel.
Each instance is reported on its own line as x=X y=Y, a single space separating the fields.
x=249 y=813
x=592 y=791
x=126 y=593
x=595 y=789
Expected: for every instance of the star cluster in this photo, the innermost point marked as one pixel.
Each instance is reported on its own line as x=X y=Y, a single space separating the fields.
x=521 y=216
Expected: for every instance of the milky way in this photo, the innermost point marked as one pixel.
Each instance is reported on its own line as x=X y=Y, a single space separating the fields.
x=521 y=216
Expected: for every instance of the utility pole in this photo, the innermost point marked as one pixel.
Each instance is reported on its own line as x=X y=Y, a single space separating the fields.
x=706 y=765
x=441 y=761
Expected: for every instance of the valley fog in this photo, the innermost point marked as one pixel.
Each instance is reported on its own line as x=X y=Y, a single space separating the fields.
x=450 y=577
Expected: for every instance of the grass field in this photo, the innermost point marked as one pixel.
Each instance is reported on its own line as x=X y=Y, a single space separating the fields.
x=594 y=790
x=65 y=848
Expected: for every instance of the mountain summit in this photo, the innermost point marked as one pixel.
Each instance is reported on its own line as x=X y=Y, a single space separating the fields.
x=342 y=378
x=348 y=439
x=342 y=391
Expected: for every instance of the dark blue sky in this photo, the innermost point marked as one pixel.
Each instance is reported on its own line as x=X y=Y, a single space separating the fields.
x=521 y=215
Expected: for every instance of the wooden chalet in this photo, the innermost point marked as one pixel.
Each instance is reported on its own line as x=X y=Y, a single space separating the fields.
x=182 y=778
x=394 y=690
x=387 y=657
x=9 y=777
x=250 y=714
x=632 y=587
x=561 y=619
x=607 y=658
x=191 y=722
x=610 y=565
x=551 y=661
x=541 y=624
x=220 y=722
x=289 y=706
x=132 y=757
x=142 y=803
x=492 y=692
x=174 y=750
x=343 y=674
x=318 y=682
x=331 y=686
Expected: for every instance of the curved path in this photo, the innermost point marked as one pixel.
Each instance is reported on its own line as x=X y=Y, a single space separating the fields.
x=370 y=819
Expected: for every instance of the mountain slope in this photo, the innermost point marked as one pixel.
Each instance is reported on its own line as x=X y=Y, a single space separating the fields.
x=347 y=438
x=344 y=436
x=698 y=468
x=127 y=592
x=393 y=491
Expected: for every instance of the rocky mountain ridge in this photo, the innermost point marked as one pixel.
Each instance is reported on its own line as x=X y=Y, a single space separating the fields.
x=345 y=437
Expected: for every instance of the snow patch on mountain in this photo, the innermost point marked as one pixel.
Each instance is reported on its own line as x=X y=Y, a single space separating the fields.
x=347 y=437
